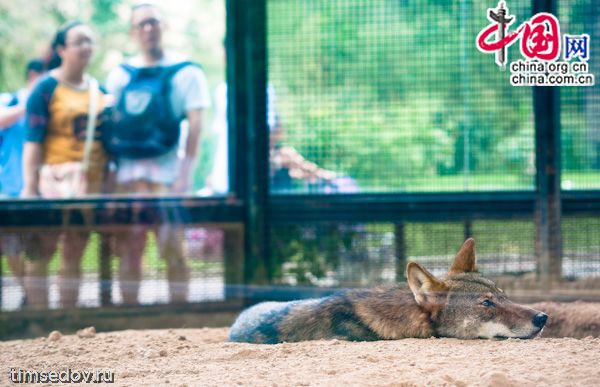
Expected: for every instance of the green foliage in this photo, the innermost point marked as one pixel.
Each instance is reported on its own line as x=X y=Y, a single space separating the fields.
x=104 y=14
x=395 y=91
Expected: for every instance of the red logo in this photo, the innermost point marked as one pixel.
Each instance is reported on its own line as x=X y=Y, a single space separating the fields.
x=540 y=36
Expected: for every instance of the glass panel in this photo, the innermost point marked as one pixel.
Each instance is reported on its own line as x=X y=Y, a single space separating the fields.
x=153 y=151
x=56 y=269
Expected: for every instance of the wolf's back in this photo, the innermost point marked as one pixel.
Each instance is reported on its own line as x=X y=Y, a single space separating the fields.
x=260 y=323
x=311 y=319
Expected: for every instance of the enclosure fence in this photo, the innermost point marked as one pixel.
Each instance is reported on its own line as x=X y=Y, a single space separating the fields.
x=363 y=135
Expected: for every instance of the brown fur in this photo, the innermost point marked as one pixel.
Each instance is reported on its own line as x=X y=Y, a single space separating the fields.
x=463 y=305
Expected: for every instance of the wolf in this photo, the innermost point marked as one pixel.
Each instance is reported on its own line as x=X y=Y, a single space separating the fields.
x=461 y=305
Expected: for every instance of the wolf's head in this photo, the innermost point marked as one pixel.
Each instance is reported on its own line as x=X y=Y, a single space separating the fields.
x=467 y=306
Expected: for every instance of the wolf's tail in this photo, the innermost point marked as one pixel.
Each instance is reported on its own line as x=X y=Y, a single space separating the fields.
x=259 y=324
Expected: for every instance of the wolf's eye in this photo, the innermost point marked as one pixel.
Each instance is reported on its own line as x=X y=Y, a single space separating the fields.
x=488 y=303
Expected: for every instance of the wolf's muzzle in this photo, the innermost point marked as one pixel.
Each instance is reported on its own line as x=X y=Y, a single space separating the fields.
x=539 y=320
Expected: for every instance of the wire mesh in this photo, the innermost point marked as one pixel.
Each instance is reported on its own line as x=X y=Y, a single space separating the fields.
x=580 y=106
x=374 y=97
x=389 y=98
x=347 y=255
x=581 y=247
x=331 y=255
x=341 y=254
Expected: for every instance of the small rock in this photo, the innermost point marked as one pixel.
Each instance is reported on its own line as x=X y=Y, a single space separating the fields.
x=55 y=336
x=181 y=338
x=163 y=353
x=150 y=354
x=86 y=333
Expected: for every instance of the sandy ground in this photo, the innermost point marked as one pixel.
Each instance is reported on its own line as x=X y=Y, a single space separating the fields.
x=203 y=357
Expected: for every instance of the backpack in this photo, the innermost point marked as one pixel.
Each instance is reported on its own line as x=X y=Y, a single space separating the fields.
x=143 y=123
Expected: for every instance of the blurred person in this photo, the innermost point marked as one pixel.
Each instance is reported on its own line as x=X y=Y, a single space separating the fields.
x=160 y=161
x=12 y=137
x=217 y=181
x=286 y=163
x=63 y=156
x=12 y=131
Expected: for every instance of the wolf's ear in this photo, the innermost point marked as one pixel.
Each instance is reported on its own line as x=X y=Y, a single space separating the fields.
x=464 y=262
x=423 y=284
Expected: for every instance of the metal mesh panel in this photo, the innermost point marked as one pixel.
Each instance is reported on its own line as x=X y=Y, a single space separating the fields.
x=581 y=247
x=580 y=106
x=334 y=254
x=365 y=255
x=505 y=247
x=394 y=99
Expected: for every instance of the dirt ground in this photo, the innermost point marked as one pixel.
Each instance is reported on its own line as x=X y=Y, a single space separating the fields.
x=203 y=357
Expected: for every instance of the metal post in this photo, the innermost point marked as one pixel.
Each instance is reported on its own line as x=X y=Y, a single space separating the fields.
x=233 y=251
x=468 y=229
x=400 y=252
x=247 y=116
x=546 y=101
x=105 y=269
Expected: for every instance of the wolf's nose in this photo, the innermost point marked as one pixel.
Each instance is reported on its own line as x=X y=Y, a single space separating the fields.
x=539 y=320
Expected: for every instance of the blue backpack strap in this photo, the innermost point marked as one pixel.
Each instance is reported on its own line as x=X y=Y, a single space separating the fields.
x=178 y=66
x=173 y=69
x=129 y=69
x=170 y=71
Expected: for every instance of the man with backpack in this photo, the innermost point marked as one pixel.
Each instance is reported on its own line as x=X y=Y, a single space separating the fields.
x=154 y=91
